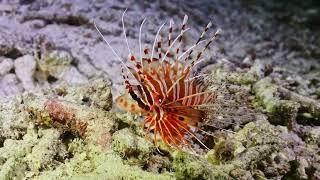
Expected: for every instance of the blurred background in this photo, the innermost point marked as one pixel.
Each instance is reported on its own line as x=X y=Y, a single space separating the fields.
x=47 y=42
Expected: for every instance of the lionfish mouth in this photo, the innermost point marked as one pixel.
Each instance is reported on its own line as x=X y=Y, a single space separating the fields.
x=161 y=87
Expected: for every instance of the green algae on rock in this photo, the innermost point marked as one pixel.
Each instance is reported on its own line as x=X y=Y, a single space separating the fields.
x=89 y=162
x=70 y=133
x=280 y=111
x=188 y=166
x=97 y=93
x=52 y=64
x=283 y=106
x=35 y=152
x=49 y=144
x=242 y=78
x=136 y=149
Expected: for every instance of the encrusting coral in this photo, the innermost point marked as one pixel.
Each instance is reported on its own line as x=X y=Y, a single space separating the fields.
x=54 y=144
x=70 y=132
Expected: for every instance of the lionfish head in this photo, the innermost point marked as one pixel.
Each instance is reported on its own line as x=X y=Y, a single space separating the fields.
x=161 y=87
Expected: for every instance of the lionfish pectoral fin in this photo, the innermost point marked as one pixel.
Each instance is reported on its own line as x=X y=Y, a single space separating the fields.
x=126 y=103
x=188 y=115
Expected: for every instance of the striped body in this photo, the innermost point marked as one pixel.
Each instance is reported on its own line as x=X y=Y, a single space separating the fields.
x=168 y=99
x=161 y=87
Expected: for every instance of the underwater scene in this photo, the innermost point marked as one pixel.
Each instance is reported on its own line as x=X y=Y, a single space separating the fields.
x=165 y=89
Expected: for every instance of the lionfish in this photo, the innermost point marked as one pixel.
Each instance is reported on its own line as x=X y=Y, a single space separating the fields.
x=162 y=88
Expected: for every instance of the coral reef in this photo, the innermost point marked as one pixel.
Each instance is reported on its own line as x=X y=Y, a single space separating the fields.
x=70 y=132
x=57 y=119
x=59 y=135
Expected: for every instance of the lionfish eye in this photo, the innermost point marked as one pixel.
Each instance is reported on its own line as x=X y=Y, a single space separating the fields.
x=181 y=118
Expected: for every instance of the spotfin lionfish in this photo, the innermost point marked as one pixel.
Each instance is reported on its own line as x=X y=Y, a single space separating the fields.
x=162 y=88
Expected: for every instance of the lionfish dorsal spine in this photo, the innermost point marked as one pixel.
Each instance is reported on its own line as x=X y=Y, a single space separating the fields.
x=159 y=47
x=190 y=50
x=155 y=41
x=183 y=28
x=170 y=32
x=215 y=35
